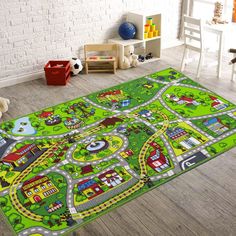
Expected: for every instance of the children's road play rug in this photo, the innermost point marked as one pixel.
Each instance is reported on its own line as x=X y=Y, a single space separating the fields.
x=64 y=166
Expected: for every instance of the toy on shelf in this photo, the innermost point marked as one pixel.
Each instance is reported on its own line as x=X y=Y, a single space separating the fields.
x=149 y=56
x=130 y=59
x=100 y=63
x=147 y=28
x=152 y=27
x=149 y=20
x=4 y=102
x=127 y=30
x=150 y=30
x=75 y=66
x=57 y=72
x=217 y=19
x=142 y=58
x=145 y=35
x=150 y=34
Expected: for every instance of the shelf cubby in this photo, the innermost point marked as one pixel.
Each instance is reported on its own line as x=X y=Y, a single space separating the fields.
x=152 y=45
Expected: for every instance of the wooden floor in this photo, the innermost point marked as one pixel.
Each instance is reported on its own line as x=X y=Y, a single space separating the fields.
x=200 y=202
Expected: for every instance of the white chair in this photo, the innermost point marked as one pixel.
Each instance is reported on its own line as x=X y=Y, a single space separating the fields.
x=193 y=40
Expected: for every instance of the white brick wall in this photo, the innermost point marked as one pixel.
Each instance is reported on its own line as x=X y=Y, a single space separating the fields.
x=33 y=32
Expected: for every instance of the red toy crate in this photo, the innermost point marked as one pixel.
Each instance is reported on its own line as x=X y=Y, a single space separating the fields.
x=57 y=72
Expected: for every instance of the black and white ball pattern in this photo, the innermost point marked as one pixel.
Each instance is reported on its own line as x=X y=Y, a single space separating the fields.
x=76 y=65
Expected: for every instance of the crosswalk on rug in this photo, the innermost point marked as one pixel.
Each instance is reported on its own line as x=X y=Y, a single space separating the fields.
x=66 y=165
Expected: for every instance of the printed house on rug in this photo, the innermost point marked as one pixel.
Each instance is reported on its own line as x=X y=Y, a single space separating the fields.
x=126 y=153
x=38 y=188
x=216 y=125
x=90 y=188
x=182 y=100
x=218 y=104
x=157 y=160
x=182 y=137
x=23 y=157
x=111 y=178
x=86 y=169
x=113 y=96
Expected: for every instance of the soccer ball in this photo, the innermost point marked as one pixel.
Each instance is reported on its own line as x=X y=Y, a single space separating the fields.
x=75 y=66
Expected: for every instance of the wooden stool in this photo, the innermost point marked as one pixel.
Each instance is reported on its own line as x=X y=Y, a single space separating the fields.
x=100 y=63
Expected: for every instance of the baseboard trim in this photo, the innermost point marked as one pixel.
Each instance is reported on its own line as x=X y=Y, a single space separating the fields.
x=12 y=80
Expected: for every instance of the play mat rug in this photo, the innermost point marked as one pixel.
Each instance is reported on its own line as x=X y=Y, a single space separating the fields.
x=65 y=165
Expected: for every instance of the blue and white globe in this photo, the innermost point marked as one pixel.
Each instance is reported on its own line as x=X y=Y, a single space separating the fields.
x=127 y=30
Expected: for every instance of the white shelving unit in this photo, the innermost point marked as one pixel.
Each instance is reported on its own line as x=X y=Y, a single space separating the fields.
x=148 y=45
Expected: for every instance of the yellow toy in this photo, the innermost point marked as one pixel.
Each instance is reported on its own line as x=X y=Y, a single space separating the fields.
x=150 y=30
x=149 y=20
x=153 y=27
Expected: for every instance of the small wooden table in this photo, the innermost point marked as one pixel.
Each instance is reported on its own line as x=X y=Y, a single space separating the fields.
x=221 y=30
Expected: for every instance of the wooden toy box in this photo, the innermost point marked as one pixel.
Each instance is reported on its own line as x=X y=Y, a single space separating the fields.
x=57 y=72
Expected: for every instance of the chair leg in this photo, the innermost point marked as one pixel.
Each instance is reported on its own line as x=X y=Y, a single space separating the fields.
x=187 y=56
x=203 y=59
x=233 y=72
x=114 y=67
x=86 y=67
x=183 y=60
x=199 y=65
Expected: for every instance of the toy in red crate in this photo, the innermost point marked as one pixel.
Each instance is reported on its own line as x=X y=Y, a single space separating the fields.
x=57 y=72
